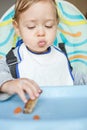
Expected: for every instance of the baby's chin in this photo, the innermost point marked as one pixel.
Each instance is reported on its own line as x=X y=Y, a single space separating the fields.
x=41 y=51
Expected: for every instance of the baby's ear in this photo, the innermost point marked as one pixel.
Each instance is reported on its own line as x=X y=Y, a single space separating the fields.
x=16 y=27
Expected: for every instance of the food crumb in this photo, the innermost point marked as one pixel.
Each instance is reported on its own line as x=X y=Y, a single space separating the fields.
x=18 y=110
x=36 y=117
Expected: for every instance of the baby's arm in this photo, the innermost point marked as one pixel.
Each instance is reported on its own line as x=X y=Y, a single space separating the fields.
x=20 y=86
x=10 y=86
x=80 y=78
x=5 y=75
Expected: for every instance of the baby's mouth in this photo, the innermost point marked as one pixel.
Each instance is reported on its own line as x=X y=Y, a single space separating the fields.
x=42 y=43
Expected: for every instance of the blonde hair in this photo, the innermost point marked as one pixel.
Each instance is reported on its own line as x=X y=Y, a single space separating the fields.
x=23 y=5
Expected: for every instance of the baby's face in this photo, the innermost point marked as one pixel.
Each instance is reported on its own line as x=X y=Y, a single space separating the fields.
x=38 y=26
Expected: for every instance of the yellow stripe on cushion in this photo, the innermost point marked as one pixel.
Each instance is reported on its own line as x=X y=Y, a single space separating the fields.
x=70 y=23
x=74 y=23
x=3 y=23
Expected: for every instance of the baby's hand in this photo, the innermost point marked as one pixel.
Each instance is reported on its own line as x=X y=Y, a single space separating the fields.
x=22 y=86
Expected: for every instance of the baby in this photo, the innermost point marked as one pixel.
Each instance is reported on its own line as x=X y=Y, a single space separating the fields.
x=39 y=62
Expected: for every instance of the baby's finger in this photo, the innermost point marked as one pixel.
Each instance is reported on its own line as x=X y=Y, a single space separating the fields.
x=34 y=87
x=30 y=92
x=21 y=94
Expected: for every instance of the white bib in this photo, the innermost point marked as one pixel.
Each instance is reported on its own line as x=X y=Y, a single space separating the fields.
x=49 y=69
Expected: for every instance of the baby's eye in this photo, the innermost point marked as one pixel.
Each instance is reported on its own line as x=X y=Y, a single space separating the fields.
x=49 y=26
x=31 y=27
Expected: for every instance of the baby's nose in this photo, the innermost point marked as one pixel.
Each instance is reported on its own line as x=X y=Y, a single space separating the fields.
x=41 y=31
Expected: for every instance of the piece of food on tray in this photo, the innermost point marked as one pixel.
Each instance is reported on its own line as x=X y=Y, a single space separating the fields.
x=17 y=110
x=36 y=117
x=30 y=105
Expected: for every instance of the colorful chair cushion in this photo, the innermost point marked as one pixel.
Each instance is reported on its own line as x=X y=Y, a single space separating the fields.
x=72 y=31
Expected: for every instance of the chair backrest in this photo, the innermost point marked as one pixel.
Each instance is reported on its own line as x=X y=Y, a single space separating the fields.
x=8 y=38
x=72 y=31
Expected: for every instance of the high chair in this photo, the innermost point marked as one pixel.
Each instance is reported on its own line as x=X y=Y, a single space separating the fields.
x=72 y=32
x=58 y=108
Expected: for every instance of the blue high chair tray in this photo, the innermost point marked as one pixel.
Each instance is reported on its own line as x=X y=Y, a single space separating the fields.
x=59 y=108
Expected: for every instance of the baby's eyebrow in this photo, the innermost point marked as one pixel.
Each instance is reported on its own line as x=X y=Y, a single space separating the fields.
x=30 y=21
x=50 y=19
x=36 y=21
